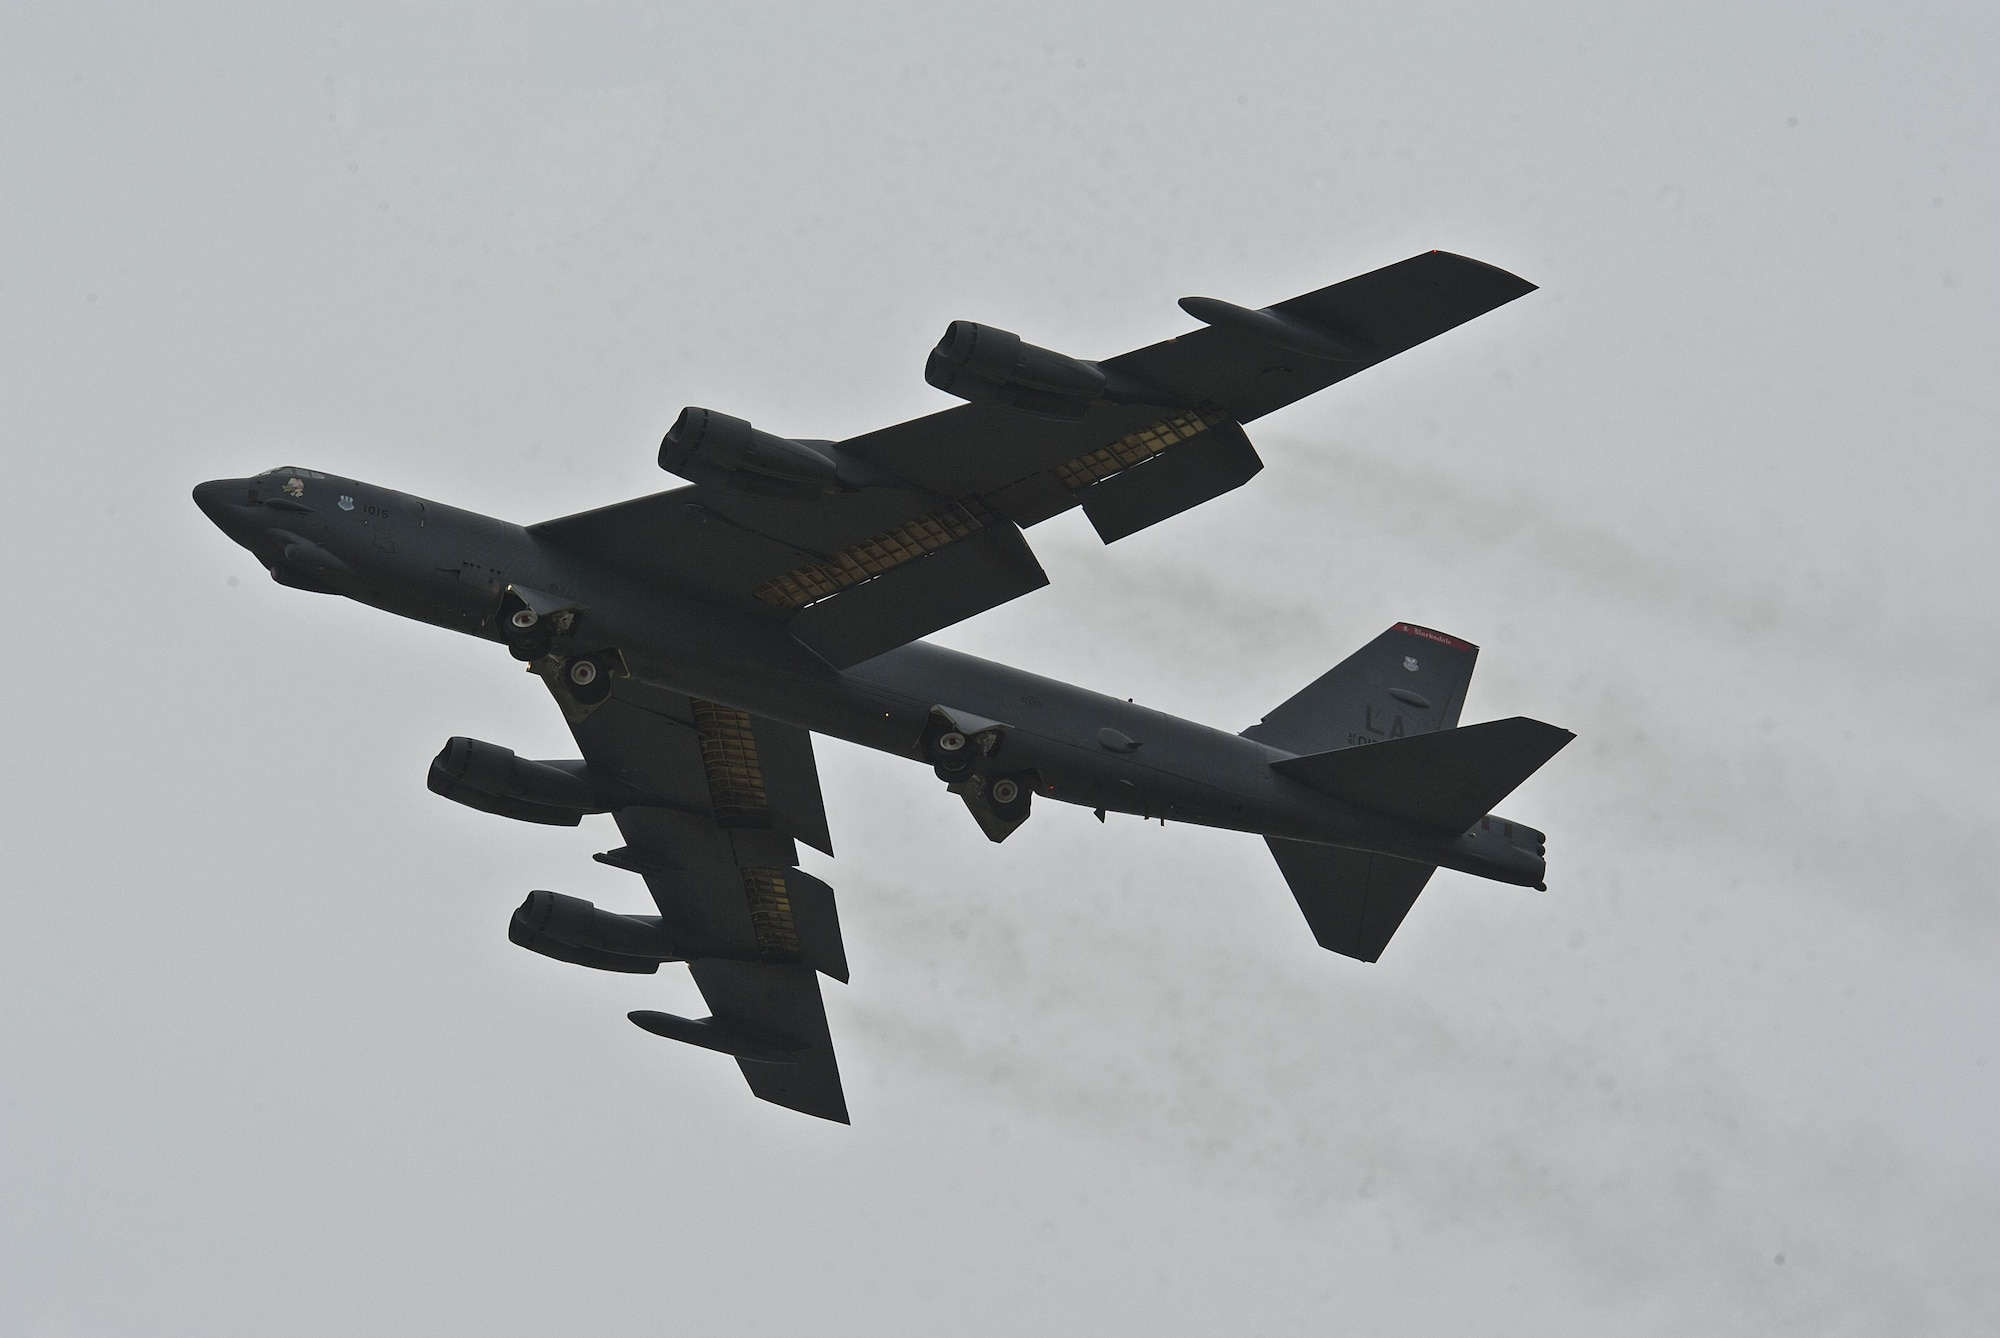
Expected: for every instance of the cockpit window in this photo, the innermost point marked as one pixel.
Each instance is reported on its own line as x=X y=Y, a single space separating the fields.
x=292 y=469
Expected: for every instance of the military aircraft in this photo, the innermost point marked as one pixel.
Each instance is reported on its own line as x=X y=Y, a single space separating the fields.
x=695 y=639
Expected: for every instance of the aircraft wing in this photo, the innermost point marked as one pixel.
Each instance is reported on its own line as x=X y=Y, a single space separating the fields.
x=730 y=794
x=934 y=534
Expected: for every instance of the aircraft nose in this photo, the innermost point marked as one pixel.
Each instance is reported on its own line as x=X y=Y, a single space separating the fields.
x=215 y=497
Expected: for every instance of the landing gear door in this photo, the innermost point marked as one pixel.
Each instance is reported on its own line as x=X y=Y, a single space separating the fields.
x=966 y=751
x=541 y=604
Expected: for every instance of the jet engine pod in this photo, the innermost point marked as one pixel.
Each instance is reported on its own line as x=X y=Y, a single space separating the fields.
x=978 y=362
x=704 y=446
x=491 y=779
x=570 y=929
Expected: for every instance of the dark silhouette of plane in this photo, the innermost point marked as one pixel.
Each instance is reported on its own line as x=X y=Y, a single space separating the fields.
x=696 y=638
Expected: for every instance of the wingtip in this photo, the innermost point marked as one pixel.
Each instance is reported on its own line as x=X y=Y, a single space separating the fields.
x=1525 y=287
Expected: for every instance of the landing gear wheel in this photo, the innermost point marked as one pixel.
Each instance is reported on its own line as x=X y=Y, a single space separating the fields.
x=948 y=750
x=527 y=633
x=587 y=681
x=531 y=647
x=1009 y=796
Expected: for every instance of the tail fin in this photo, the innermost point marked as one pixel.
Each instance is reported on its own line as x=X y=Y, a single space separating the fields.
x=1409 y=680
x=1353 y=900
x=1447 y=780
x=1400 y=695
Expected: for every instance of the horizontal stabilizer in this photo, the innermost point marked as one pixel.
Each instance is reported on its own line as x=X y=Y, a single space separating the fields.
x=1449 y=779
x=1353 y=900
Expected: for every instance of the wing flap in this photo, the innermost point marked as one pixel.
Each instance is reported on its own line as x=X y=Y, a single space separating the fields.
x=817 y=924
x=784 y=757
x=1206 y=466
x=915 y=598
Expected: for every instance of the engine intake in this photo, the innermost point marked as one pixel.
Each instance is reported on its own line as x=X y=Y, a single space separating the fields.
x=703 y=443
x=570 y=929
x=491 y=779
x=979 y=362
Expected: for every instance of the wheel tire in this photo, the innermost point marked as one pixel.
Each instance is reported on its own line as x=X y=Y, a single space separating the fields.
x=949 y=751
x=524 y=618
x=531 y=647
x=1010 y=796
x=587 y=681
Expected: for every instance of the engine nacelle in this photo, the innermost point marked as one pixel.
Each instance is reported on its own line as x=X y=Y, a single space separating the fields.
x=491 y=779
x=704 y=442
x=570 y=929
x=978 y=362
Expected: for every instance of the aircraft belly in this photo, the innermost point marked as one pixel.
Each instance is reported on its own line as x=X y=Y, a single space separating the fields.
x=1085 y=748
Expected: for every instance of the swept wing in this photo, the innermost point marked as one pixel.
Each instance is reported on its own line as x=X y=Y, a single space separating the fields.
x=931 y=532
x=727 y=796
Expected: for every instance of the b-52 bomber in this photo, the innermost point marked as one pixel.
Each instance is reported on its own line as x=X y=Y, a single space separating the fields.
x=696 y=639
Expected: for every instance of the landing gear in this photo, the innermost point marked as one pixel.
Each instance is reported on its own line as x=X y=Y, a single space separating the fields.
x=587 y=679
x=999 y=804
x=948 y=749
x=965 y=753
x=527 y=633
x=951 y=754
x=1009 y=797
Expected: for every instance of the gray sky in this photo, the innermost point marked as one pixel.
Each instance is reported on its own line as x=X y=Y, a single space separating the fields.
x=1719 y=497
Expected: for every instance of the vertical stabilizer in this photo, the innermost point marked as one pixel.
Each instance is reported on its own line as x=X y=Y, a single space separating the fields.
x=1409 y=680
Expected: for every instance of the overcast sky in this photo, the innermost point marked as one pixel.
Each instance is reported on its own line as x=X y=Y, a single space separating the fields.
x=1720 y=497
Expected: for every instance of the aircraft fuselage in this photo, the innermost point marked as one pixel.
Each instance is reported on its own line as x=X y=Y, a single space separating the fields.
x=453 y=569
